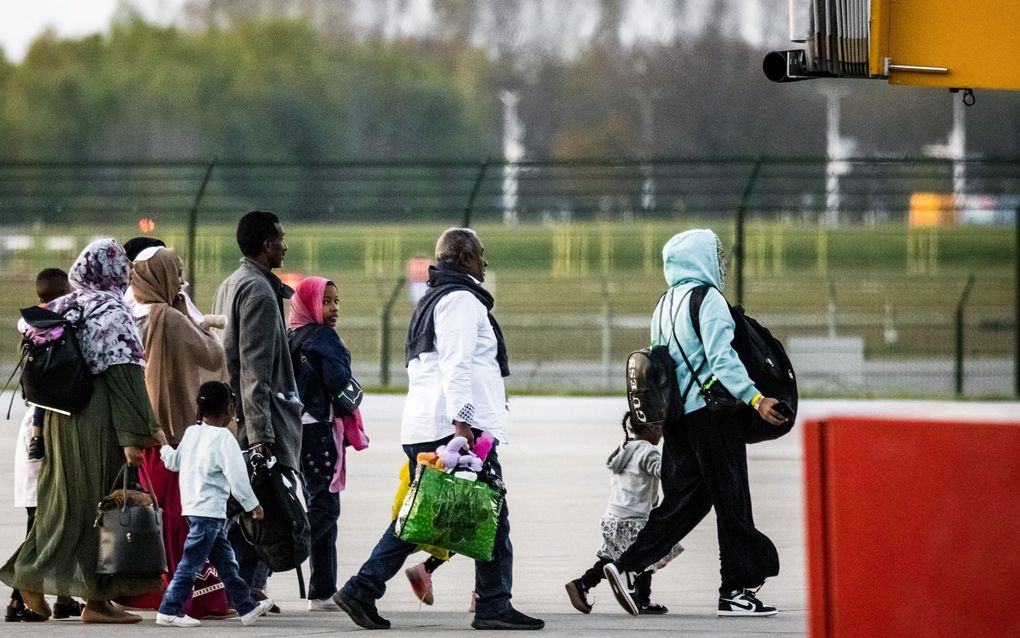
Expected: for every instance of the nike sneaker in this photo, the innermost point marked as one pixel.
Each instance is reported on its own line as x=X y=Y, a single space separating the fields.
x=743 y=602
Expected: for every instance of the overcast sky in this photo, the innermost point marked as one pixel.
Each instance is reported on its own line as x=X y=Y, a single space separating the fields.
x=22 y=20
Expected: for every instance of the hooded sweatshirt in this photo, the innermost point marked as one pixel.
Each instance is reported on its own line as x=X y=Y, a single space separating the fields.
x=691 y=259
x=635 y=485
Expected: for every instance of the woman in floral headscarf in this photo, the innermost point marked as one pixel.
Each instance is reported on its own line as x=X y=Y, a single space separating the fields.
x=322 y=369
x=86 y=450
x=179 y=355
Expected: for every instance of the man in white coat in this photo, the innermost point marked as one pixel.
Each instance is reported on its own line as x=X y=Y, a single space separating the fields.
x=456 y=361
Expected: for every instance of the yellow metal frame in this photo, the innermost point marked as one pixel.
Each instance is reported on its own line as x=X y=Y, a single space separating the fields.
x=976 y=42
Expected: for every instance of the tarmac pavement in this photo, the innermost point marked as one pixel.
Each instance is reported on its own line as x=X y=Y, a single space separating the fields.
x=558 y=486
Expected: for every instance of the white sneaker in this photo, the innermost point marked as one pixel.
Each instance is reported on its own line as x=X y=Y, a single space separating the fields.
x=624 y=585
x=261 y=607
x=322 y=604
x=166 y=620
x=743 y=602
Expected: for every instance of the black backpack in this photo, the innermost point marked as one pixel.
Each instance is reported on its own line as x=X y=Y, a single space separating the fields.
x=653 y=395
x=766 y=362
x=54 y=374
x=282 y=538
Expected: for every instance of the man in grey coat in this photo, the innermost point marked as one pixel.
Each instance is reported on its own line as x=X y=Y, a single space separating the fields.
x=258 y=358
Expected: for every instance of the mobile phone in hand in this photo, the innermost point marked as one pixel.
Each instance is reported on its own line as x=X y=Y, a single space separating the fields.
x=783 y=408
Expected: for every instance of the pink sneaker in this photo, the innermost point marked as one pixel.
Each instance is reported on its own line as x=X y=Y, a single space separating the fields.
x=421 y=582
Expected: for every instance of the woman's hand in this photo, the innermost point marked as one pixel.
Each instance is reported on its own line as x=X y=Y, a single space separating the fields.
x=766 y=408
x=160 y=437
x=133 y=455
x=258 y=513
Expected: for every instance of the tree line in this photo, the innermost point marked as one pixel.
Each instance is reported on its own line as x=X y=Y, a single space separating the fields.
x=275 y=85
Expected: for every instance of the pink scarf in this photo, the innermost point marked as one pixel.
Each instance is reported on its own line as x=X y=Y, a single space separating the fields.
x=348 y=430
x=306 y=304
x=305 y=309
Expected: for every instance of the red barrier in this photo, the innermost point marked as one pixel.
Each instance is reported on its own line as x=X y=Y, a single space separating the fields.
x=913 y=528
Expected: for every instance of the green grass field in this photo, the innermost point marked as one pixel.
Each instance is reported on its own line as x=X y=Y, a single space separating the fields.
x=552 y=283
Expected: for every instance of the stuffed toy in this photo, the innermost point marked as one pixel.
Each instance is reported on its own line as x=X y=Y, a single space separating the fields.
x=453 y=459
x=483 y=445
x=431 y=459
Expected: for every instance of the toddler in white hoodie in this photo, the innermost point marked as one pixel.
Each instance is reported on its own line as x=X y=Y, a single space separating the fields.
x=634 y=491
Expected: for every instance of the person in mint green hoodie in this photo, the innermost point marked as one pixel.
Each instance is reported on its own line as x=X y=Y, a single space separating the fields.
x=704 y=461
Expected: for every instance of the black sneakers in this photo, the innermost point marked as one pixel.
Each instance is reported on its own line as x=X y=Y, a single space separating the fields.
x=512 y=620
x=624 y=585
x=652 y=609
x=363 y=614
x=578 y=595
x=743 y=602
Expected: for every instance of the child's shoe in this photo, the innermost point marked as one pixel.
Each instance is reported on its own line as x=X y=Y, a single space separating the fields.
x=21 y=613
x=651 y=609
x=36 y=448
x=421 y=582
x=578 y=595
x=67 y=610
x=260 y=595
x=260 y=609
x=184 y=620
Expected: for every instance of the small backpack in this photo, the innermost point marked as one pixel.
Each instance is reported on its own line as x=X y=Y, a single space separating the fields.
x=766 y=362
x=653 y=394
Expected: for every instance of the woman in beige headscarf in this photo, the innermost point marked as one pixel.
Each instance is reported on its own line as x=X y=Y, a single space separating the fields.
x=179 y=355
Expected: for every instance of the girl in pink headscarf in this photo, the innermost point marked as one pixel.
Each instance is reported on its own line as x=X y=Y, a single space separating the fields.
x=322 y=368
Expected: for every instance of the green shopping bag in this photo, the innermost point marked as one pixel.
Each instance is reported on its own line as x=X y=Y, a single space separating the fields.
x=446 y=511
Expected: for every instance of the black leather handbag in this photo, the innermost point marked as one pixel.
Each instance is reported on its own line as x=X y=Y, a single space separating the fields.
x=130 y=524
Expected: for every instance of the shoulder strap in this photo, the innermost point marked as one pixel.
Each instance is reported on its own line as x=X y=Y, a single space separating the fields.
x=697 y=298
x=694 y=374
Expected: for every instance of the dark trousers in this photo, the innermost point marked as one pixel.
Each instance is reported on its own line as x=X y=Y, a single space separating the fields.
x=318 y=461
x=704 y=465
x=493 y=579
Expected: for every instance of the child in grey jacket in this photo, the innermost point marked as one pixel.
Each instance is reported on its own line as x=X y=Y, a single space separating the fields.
x=634 y=491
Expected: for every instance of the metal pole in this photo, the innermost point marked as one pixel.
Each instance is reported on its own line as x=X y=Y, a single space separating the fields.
x=474 y=192
x=193 y=230
x=607 y=336
x=1016 y=305
x=384 y=334
x=738 y=250
x=959 y=333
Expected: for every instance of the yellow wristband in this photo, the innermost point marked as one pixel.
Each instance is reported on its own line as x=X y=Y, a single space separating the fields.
x=755 y=400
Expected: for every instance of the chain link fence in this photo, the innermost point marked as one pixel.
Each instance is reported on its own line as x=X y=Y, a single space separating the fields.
x=860 y=266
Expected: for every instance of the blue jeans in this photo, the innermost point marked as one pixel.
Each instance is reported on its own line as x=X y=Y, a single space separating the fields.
x=318 y=461
x=493 y=579
x=206 y=541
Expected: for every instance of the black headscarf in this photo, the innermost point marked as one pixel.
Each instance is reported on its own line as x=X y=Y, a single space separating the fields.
x=421 y=332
